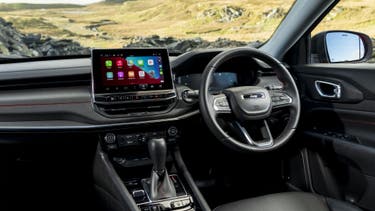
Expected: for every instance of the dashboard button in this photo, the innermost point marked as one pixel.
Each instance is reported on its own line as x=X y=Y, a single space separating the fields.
x=185 y=202
x=100 y=98
x=143 y=86
x=113 y=98
x=110 y=138
x=121 y=98
x=172 y=131
x=176 y=204
x=111 y=146
x=142 y=139
x=145 y=209
x=138 y=193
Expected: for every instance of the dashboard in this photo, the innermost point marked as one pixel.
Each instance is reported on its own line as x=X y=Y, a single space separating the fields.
x=55 y=95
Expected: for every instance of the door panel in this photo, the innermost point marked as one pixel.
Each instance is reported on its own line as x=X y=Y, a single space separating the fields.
x=340 y=132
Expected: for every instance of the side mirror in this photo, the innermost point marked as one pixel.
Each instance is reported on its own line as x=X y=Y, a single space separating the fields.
x=341 y=46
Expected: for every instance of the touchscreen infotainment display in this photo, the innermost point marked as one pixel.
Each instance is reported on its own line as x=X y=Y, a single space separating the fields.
x=126 y=70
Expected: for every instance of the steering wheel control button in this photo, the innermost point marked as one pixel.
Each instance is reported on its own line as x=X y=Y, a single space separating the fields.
x=110 y=138
x=280 y=99
x=274 y=87
x=221 y=104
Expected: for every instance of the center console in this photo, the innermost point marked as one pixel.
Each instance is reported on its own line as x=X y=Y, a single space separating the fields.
x=132 y=82
x=144 y=160
x=139 y=167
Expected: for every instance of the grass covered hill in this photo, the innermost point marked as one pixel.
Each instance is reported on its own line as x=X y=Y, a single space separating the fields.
x=25 y=6
x=116 y=24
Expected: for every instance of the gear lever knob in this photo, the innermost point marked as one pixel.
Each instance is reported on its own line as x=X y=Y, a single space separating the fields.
x=158 y=153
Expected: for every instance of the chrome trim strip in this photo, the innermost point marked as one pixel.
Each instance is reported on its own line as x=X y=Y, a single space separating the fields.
x=93 y=127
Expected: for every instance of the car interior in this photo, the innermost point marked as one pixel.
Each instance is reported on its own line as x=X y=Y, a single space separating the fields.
x=287 y=126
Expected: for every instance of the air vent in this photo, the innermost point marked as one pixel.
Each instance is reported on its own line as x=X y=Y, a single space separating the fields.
x=49 y=82
x=143 y=108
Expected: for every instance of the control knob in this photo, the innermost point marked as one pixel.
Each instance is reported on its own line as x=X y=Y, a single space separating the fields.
x=110 y=138
x=172 y=131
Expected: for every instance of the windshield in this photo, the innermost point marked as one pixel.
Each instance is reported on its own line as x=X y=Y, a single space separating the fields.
x=37 y=28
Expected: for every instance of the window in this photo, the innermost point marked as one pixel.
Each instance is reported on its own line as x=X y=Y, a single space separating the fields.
x=351 y=15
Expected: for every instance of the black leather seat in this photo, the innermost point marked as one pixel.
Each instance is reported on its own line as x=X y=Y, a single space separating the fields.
x=290 y=201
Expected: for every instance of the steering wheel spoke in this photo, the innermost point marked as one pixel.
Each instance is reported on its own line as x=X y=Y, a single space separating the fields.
x=221 y=104
x=265 y=131
x=281 y=99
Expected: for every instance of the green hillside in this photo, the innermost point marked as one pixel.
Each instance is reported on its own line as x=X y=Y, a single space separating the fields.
x=113 y=25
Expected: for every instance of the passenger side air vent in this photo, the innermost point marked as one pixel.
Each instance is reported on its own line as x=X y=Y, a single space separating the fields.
x=48 y=82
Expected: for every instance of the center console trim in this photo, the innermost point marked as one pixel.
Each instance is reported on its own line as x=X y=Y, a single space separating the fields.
x=170 y=92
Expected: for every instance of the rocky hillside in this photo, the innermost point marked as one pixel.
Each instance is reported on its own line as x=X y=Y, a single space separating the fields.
x=114 y=23
x=15 y=43
x=184 y=45
x=18 y=44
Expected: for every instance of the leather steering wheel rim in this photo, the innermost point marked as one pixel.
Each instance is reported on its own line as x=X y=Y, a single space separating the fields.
x=289 y=87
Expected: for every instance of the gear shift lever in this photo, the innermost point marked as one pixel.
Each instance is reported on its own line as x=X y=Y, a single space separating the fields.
x=161 y=186
x=158 y=154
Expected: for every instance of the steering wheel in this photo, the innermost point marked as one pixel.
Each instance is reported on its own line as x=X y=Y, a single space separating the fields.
x=248 y=105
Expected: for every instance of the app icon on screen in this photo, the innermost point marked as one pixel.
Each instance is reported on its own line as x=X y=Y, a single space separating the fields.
x=152 y=73
x=120 y=75
x=108 y=64
x=131 y=74
x=140 y=62
x=130 y=62
x=150 y=62
x=141 y=74
x=119 y=63
x=109 y=75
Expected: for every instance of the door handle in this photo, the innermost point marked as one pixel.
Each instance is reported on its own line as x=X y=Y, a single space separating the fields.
x=328 y=89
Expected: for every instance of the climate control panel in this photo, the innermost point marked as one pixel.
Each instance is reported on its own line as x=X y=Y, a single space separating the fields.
x=118 y=140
